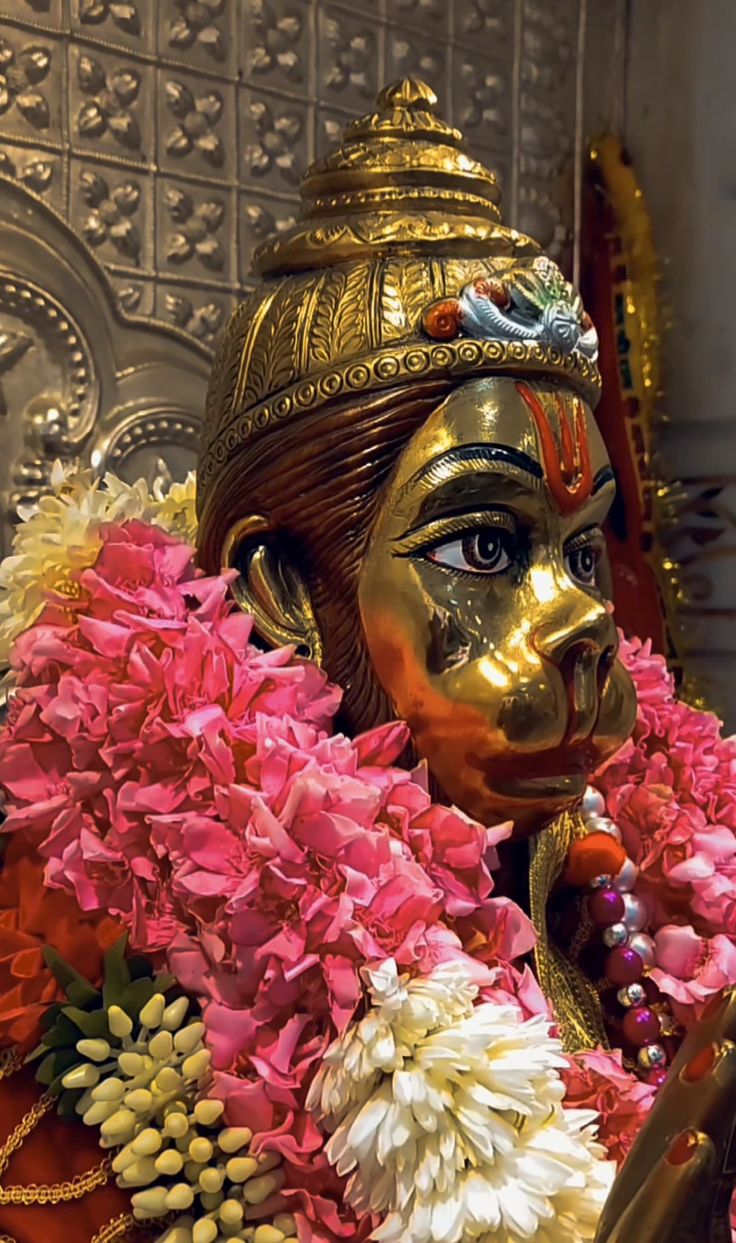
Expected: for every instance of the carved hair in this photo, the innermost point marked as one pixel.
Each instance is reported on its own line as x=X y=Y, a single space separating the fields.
x=319 y=482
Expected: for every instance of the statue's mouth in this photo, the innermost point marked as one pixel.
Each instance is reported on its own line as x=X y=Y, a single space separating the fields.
x=561 y=785
x=560 y=773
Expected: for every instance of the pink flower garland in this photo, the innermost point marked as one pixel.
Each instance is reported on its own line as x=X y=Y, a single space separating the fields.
x=672 y=791
x=186 y=782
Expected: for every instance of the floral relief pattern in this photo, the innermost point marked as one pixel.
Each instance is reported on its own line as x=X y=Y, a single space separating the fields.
x=36 y=173
x=277 y=135
x=350 y=53
x=123 y=15
x=195 y=24
x=488 y=18
x=203 y=322
x=20 y=76
x=413 y=57
x=108 y=110
x=482 y=101
x=276 y=41
x=195 y=230
x=197 y=118
x=110 y=218
x=262 y=221
x=418 y=10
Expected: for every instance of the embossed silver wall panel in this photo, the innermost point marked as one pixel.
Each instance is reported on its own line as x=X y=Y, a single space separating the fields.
x=169 y=136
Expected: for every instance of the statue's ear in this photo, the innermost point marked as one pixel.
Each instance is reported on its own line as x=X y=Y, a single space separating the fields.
x=271 y=588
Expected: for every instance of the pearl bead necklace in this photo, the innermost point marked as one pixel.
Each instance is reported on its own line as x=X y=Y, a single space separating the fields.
x=599 y=863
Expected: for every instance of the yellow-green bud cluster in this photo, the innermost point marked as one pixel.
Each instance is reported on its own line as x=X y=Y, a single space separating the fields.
x=192 y=1164
x=155 y=1062
x=282 y=1230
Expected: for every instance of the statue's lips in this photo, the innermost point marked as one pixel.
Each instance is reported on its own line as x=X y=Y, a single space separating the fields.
x=553 y=763
x=564 y=771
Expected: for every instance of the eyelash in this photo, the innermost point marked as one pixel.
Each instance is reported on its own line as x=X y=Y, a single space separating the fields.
x=421 y=543
x=434 y=533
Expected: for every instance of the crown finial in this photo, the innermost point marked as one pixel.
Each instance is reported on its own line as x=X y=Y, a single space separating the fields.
x=399 y=179
x=407 y=93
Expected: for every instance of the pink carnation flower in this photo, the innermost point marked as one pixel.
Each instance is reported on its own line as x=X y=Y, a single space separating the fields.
x=690 y=969
x=672 y=790
x=597 y=1080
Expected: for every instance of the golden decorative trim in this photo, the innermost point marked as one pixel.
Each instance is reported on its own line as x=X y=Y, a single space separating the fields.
x=43 y=1193
x=10 y=1062
x=378 y=232
x=116 y=1229
x=413 y=361
x=573 y=998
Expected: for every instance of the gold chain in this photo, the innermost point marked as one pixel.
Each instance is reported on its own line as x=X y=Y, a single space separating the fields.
x=10 y=1061
x=45 y=1193
x=116 y=1230
x=21 y=1132
x=574 y=1000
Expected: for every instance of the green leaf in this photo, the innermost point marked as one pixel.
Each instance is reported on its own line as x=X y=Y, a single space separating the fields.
x=79 y=991
x=49 y=1017
x=64 y=1032
x=39 y=1051
x=163 y=983
x=135 y=997
x=91 y=1023
x=46 y=1072
x=116 y=976
x=54 y=1067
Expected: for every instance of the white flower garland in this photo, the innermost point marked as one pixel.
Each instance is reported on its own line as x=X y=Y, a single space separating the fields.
x=447 y=1116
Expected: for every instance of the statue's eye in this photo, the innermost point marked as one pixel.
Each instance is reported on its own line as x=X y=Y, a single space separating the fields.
x=582 y=556
x=485 y=551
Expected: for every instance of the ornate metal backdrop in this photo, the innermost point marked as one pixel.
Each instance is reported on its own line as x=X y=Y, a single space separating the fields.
x=147 y=145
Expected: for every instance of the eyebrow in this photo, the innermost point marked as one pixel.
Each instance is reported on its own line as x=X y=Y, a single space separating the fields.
x=492 y=455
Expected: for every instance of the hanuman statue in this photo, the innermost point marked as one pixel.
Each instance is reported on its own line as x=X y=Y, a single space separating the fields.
x=403 y=479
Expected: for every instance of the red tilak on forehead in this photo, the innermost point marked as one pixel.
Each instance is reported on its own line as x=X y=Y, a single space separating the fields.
x=567 y=464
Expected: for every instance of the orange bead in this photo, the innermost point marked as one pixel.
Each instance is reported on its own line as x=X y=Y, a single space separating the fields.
x=598 y=854
x=442 y=321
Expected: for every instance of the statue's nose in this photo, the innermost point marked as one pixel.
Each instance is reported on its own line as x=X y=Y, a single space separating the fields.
x=581 y=642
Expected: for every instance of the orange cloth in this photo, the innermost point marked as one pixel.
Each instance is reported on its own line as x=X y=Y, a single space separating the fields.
x=30 y=917
x=55 y=1152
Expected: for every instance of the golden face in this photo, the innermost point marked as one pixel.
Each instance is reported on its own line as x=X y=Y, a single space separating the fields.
x=484 y=599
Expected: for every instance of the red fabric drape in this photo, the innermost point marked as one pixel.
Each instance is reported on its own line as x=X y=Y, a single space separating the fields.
x=606 y=287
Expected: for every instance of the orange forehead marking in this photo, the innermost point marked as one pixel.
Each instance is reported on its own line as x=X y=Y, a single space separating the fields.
x=567 y=464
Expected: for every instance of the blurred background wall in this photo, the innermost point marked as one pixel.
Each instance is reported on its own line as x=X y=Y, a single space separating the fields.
x=147 y=145
x=680 y=129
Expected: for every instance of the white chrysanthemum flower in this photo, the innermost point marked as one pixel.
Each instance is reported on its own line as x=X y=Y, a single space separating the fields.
x=59 y=537
x=448 y=1118
x=177 y=509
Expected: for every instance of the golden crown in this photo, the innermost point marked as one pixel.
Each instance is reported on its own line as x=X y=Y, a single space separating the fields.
x=398 y=269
